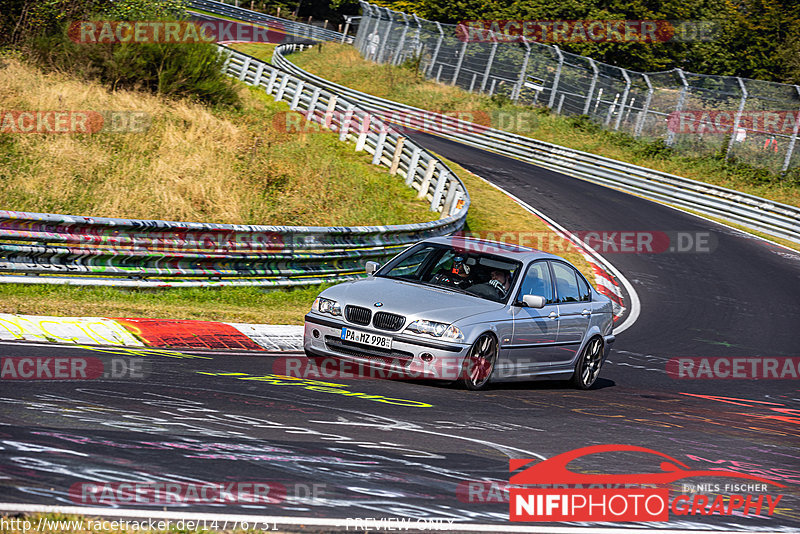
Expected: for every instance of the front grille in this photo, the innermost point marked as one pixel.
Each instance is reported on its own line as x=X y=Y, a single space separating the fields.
x=397 y=357
x=358 y=315
x=388 y=321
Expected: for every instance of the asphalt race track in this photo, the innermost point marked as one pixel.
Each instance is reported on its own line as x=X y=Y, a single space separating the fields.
x=394 y=448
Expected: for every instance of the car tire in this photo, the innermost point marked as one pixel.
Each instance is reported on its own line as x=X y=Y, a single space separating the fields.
x=588 y=367
x=476 y=372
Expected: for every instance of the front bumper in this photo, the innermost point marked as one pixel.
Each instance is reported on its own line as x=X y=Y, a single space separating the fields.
x=322 y=337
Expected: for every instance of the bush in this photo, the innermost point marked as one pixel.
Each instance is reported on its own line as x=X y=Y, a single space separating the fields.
x=188 y=70
x=182 y=70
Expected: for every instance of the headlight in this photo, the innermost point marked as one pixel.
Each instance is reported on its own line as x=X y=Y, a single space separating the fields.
x=432 y=328
x=323 y=305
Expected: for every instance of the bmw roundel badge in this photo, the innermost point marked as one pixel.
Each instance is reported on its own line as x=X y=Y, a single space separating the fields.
x=378 y=304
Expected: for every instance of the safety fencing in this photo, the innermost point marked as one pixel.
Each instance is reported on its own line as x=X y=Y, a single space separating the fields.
x=755 y=121
x=291 y=28
x=66 y=249
x=753 y=212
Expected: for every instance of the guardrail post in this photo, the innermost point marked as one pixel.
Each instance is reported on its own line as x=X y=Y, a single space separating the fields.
x=412 y=165
x=643 y=114
x=271 y=83
x=456 y=200
x=345 y=123
x=401 y=44
x=439 y=190
x=312 y=104
x=245 y=68
x=259 y=72
x=376 y=158
x=596 y=72
x=346 y=29
x=460 y=59
x=362 y=135
x=398 y=151
x=426 y=182
x=793 y=140
x=489 y=63
x=282 y=87
x=436 y=50
x=448 y=199
x=678 y=107
x=382 y=49
x=523 y=71
x=737 y=118
x=624 y=98
x=556 y=78
x=327 y=119
x=298 y=92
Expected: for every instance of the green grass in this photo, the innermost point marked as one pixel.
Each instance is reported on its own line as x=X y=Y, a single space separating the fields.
x=344 y=65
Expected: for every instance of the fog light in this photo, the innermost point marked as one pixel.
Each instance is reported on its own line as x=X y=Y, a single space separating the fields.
x=315 y=333
x=426 y=357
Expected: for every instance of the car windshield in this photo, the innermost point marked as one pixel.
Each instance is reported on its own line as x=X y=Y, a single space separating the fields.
x=482 y=275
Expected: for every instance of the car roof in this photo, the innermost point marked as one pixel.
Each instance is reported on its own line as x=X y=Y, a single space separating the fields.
x=485 y=246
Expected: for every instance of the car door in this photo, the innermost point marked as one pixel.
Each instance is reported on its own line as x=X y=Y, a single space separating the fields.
x=535 y=335
x=573 y=299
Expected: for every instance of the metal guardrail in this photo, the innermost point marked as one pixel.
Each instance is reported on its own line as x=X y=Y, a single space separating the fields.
x=750 y=211
x=297 y=29
x=66 y=249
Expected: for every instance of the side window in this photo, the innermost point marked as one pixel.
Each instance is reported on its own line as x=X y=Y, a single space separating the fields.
x=537 y=282
x=583 y=287
x=566 y=283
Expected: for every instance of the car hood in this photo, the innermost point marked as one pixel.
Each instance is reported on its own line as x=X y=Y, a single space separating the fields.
x=409 y=299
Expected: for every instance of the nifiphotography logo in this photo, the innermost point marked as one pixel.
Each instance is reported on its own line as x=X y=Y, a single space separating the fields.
x=572 y=496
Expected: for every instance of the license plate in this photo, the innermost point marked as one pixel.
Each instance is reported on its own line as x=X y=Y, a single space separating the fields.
x=365 y=338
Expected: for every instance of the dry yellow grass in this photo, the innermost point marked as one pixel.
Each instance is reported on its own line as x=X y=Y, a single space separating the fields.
x=194 y=164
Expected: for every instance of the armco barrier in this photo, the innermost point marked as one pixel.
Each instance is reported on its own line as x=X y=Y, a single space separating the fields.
x=753 y=212
x=292 y=29
x=66 y=249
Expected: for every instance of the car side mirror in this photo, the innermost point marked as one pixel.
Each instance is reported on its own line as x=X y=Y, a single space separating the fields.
x=371 y=267
x=531 y=301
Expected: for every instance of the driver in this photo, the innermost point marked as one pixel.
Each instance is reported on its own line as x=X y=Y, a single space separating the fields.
x=457 y=277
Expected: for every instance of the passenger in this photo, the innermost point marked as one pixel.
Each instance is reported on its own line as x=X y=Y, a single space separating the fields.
x=496 y=288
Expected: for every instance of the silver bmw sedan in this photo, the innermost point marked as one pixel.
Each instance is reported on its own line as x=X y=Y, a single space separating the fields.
x=467 y=310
